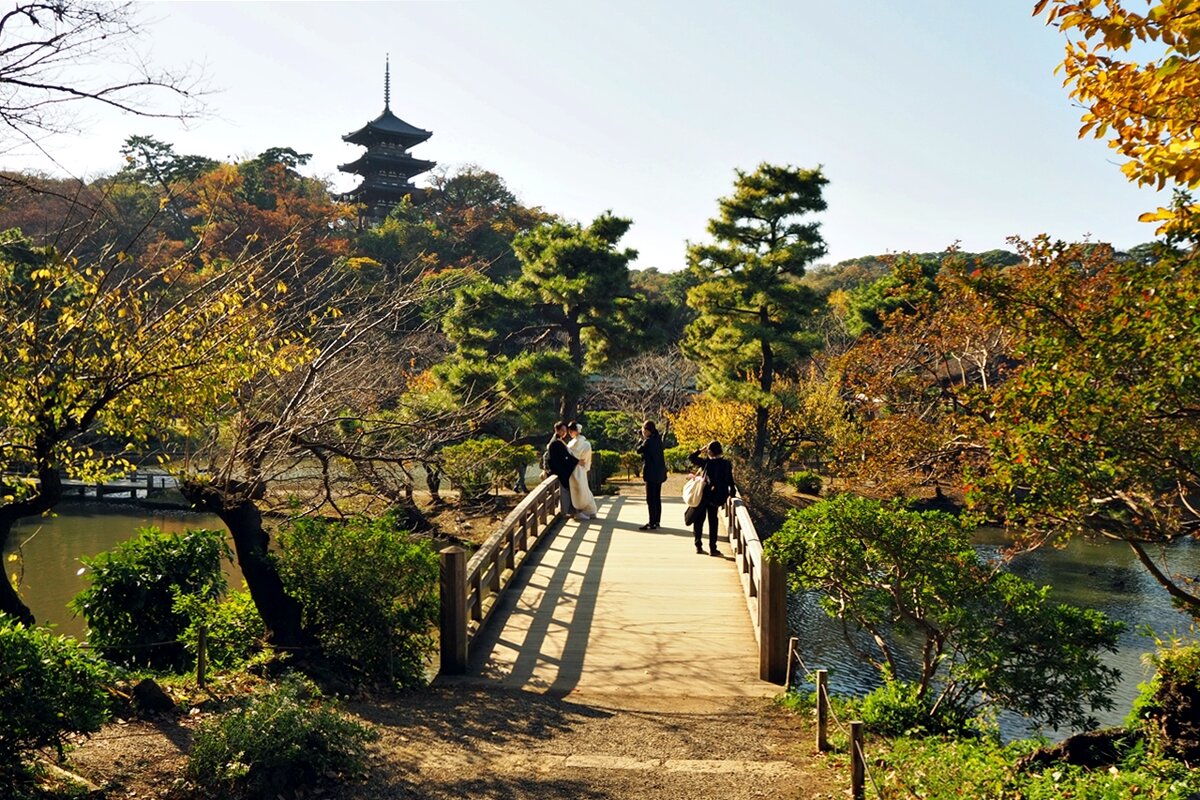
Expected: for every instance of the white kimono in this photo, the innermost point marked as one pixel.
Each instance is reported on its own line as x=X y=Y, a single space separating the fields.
x=581 y=495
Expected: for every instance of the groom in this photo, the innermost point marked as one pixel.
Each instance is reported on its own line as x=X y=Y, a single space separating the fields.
x=560 y=463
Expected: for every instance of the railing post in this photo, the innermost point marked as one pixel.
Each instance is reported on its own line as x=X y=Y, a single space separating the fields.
x=772 y=620
x=858 y=762
x=822 y=710
x=454 y=610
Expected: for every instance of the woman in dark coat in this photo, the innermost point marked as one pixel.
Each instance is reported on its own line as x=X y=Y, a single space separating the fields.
x=654 y=473
x=718 y=487
x=561 y=463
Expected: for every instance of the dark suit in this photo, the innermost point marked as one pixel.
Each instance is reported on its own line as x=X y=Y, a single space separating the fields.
x=718 y=487
x=561 y=463
x=654 y=473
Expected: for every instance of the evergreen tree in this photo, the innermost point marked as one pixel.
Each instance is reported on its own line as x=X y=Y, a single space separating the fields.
x=753 y=312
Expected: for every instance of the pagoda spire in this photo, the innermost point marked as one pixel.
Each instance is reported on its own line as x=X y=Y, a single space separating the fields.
x=387 y=168
x=387 y=82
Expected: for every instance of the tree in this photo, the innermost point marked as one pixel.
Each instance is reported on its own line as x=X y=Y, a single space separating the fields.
x=1098 y=428
x=104 y=361
x=49 y=52
x=573 y=296
x=753 y=313
x=918 y=390
x=332 y=434
x=1147 y=107
x=983 y=635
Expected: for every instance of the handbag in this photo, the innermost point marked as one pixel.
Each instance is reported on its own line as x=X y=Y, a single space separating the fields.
x=690 y=514
x=693 y=490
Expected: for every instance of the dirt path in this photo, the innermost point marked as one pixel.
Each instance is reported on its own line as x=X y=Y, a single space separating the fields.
x=455 y=742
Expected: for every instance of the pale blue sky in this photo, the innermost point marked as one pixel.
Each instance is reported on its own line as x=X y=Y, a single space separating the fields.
x=935 y=120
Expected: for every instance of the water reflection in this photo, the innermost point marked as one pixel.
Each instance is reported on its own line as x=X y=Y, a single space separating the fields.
x=52 y=546
x=1100 y=574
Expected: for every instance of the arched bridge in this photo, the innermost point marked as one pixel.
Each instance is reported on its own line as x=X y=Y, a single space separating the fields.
x=553 y=605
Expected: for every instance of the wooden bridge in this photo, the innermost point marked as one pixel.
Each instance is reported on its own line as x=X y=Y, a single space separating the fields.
x=600 y=608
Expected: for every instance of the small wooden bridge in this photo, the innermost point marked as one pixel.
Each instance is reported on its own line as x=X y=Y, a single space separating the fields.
x=600 y=608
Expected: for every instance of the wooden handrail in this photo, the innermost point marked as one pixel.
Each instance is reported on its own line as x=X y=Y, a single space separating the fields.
x=765 y=586
x=469 y=595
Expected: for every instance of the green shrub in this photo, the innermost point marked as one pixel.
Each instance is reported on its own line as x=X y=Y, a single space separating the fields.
x=609 y=462
x=477 y=466
x=805 y=481
x=49 y=686
x=235 y=631
x=276 y=743
x=611 y=430
x=1167 y=708
x=898 y=708
x=948 y=769
x=130 y=604
x=677 y=458
x=631 y=463
x=368 y=590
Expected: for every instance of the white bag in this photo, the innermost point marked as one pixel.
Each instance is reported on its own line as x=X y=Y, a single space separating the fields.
x=693 y=490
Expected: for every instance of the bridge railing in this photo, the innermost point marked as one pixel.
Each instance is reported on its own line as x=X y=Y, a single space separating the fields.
x=764 y=583
x=471 y=589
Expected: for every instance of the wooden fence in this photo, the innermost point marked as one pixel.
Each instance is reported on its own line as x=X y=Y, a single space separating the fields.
x=765 y=585
x=470 y=589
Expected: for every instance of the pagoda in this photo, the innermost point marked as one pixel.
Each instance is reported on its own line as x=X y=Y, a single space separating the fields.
x=387 y=167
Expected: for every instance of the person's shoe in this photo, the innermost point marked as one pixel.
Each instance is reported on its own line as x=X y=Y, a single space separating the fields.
x=714 y=552
x=646 y=527
x=699 y=551
x=654 y=526
x=582 y=517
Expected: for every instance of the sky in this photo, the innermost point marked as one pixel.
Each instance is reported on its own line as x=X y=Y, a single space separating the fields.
x=935 y=121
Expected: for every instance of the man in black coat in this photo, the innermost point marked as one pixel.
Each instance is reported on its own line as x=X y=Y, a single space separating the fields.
x=654 y=473
x=718 y=487
x=561 y=463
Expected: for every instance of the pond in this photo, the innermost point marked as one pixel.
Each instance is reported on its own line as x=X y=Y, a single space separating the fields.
x=1100 y=574
x=52 y=546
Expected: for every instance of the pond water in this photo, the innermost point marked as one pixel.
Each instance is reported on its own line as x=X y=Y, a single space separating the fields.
x=1103 y=575
x=1100 y=574
x=52 y=546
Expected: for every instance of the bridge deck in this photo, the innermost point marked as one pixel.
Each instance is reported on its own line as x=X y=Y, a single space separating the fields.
x=602 y=608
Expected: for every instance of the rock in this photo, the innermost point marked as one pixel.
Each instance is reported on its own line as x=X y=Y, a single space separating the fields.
x=1090 y=749
x=148 y=697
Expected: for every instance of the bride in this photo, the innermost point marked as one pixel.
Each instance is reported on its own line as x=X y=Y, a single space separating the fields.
x=581 y=495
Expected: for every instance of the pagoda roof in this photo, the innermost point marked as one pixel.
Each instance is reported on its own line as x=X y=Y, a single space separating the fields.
x=402 y=162
x=388 y=126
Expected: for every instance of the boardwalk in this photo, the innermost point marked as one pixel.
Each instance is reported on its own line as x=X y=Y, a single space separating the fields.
x=604 y=609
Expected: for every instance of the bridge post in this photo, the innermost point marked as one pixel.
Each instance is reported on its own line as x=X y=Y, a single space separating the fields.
x=772 y=617
x=453 y=610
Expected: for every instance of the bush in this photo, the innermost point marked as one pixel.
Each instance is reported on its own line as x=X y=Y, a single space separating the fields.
x=235 y=631
x=368 y=591
x=612 y=430
x=49 y=686
x=276 y=743
x=1167 y=708
x=130 y=604
x=805 y=481
x=610 y=464
x=677 y=458
x=898 y=708
x=477 y=466
x=631 y=463
x=948 y=769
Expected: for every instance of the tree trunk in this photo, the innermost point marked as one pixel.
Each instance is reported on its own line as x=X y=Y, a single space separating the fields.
x=570 y=405
x=10 y=601
x=50 y=491
x=766 y=381
x=279 y=611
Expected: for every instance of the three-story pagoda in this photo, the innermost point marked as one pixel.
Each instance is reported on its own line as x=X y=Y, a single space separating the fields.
x=387 y=167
